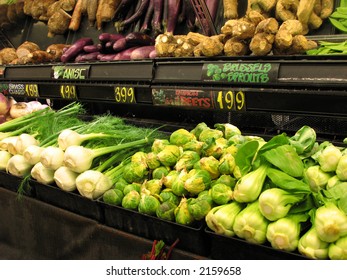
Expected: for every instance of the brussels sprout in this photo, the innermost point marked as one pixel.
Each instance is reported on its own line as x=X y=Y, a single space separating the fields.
x=152 y=161
x=221 y=218
x=148 y=203
x=226 y=164
x=230 y=150
x=169 y=155
x=178 y=186
x=131 y=200
x=132 y=187
x=197 y=181
x=135 y=172
x=226 y=180
x=182 y=214
x=214 y=147
x=198 y=129
x=187 y=160
x=160 y=172
x=170 y=178
x=211 y=165
x=228 y=129
x=194 y=145
x=166 y=211
x=139 y=157
x=221 y=194
x=120 y=184
x=181 y=136
x=197 y=165
x=113 y=196
x=316 y=178
x=168 y=195
x=236 y=140
x=210 y=134
x=199 y=207
x=159 y=144
x=154 y=186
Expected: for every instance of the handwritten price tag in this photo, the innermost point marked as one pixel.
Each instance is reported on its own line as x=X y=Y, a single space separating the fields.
x=32 y=90
x=124 y=94
x=230 y=100
x=68 y=92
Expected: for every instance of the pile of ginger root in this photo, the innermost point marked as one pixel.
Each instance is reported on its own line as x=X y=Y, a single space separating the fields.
x=269 y=27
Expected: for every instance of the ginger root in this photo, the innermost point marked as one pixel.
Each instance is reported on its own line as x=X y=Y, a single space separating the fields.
x=286 y=32
x=235 y=47
x=239 y=29
x=286 y=9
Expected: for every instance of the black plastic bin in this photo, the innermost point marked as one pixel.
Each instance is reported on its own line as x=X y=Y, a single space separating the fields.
x=234 y=248
x=191 y=238
x=12 y=183
x=71 y=201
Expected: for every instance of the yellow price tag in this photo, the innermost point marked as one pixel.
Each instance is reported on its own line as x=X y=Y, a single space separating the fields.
x=32 y=90
x=68 y=92
x=230 y=100
x=124 y=94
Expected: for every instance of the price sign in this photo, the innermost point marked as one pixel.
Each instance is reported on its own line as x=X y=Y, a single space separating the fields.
x=230 y=100
x=68 y=92
x=226 y=100
x=124 y=94
x=32 y=90
x=241 y=73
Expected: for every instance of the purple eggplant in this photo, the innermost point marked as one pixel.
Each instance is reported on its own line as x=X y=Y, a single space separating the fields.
x=139 y=38
x=174 y=7
x=146 y=24
x=92 y=48
x=140 y=11
x=75 y=49
x=106 y=37
x=157 y=16
x=120 y=45
x=212 y=6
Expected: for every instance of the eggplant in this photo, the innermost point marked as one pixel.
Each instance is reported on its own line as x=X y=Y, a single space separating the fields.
x=140 y=11
x=139 y=38
x=212 y=6
x=106 y=37
x=157 y=16
x=92 y=48
x=174 y=7
x=146 y=25
x=75 y=49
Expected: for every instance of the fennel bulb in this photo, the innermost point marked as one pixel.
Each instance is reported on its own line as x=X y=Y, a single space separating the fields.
x=52 y=157
x=65 y=178
x=11 y=145
x=4 y=142
x=18 y=166
x=92 y=184
x=4 y=158
x=69 y=137
x=249 y=186
x=32 y=153
x=42 y=174
x=25 y=140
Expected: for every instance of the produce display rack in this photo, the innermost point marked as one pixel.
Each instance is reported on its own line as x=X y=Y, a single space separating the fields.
x=260 y=95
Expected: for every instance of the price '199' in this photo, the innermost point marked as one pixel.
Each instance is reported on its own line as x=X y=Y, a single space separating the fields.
x=231 y=101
